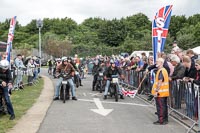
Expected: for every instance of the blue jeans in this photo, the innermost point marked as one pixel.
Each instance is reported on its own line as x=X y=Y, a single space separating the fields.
x=108 y=85
x=8 y=101
x=35 y=74
x=58 y=86
x=18 y=77
x=78 y=77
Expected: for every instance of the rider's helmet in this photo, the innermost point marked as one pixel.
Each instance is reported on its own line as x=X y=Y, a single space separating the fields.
x=112 y=61
x=69 y=59
x=4 y=64
x=96 y=62
x=64 y=58
x=58 y=60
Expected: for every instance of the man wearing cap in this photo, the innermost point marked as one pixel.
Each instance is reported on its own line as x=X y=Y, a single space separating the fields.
x=160 y=90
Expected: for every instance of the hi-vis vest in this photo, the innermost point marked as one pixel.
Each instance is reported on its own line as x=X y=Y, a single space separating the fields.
x=164 y=88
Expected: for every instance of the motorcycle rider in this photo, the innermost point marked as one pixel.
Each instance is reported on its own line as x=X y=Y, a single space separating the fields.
x=95 y=70
x=76 y=69
x=81 y=67
x=69 y=70
x=50 y=66
x=6 y=85
x=112 y=70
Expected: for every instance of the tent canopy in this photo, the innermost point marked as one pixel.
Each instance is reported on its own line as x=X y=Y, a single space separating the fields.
x=196 y=50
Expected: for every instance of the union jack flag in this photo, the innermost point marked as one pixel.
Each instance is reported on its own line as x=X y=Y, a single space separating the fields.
x=130 y=93
x=10 y=37
x=160 y=27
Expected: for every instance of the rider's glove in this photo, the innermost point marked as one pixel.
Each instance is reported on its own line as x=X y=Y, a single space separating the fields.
x=122 y=77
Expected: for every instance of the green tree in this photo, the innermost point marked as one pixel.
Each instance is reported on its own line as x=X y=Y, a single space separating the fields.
x=194 y=19
x=112 y=32
x=176 y=23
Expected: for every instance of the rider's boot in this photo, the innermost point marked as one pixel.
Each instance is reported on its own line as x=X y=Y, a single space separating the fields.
x=121 y=97
x=56 y=98
x=93 y=86
x=81 y=83
x=74 y=98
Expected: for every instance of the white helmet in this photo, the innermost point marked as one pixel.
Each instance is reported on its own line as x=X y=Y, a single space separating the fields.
x=64 y=58
x=112 y=61
x=4 y=64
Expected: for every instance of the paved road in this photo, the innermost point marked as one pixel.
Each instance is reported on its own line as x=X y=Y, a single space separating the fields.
x=127 y=116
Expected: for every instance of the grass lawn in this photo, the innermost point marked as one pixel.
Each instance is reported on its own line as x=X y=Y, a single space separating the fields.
x=22 y=101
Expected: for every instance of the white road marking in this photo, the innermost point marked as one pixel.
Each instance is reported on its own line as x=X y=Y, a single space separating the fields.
x=134 y=104
x=100 y=107
x=95 y=94
x=84 y=94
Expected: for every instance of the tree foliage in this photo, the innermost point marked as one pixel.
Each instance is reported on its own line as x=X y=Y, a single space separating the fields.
x=100 y=36
x=112 y=32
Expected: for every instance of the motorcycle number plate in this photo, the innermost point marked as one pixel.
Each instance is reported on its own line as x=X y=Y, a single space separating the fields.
x=100 y=74
x=64 y=82
x=114 y=80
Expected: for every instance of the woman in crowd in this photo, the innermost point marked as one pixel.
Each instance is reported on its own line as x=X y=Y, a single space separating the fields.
x=197 y=82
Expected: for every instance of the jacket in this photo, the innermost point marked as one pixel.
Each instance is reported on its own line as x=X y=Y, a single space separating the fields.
x=197 y=80
x=164 y=87
x=5 y=76
x=191 y=72
x=179 y=72
x=68 y=69
x=109 y=72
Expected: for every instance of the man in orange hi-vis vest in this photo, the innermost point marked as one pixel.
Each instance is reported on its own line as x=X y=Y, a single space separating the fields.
x=160 y=90
x=76 y=59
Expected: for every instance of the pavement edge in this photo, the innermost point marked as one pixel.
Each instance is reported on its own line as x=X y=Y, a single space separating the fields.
x=30 y=122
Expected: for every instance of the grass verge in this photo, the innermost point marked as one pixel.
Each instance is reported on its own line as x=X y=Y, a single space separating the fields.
x=22 y=101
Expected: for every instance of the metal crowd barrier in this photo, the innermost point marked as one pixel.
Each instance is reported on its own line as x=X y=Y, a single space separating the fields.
x=183 y=101
x=21 y=77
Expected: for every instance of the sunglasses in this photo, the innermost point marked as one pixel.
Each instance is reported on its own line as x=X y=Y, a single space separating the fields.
x=196 y=64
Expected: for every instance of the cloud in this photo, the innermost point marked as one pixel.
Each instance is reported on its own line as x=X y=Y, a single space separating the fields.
x=78 y=10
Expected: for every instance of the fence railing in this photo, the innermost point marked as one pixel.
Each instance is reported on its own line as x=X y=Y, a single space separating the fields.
x=183 y=100
x=24 y=76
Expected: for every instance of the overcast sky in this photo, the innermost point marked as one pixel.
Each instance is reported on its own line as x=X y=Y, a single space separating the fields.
x=78 y=10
